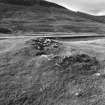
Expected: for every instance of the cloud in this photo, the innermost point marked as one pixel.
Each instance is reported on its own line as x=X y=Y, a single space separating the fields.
x=96 y=7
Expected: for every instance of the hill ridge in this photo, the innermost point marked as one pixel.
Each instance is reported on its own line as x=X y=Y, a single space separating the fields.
x=47 y=17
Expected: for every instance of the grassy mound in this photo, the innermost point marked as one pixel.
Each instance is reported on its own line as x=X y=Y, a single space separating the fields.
x=81 y=64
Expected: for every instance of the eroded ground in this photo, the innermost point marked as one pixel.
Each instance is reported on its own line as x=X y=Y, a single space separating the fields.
x=48 y=72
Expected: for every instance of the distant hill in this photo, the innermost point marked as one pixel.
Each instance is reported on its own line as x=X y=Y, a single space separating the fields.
x=25 y=16
x=100 y=19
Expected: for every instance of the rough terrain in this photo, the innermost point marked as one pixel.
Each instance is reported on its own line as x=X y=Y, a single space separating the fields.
x=41 y=71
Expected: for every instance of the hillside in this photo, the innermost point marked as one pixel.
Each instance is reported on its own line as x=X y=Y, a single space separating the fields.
x=48 y=72
x=43 y=16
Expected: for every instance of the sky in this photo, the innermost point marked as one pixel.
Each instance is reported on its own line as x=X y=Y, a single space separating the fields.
x=94 y=7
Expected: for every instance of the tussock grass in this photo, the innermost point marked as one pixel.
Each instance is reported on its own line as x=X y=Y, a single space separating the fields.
x=55 y=81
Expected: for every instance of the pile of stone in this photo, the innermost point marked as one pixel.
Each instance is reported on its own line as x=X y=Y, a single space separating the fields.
x=42 y=43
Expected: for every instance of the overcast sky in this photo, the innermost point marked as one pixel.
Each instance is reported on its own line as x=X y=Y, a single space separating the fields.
x=96 y=7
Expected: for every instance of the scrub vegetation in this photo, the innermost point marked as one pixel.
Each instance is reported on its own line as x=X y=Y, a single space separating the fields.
x=33 y=75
